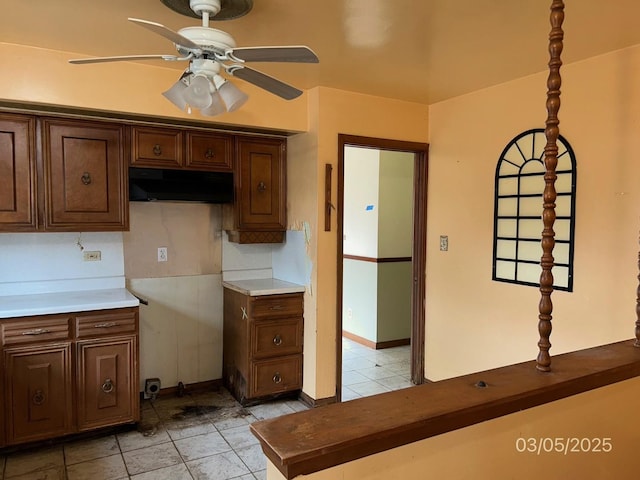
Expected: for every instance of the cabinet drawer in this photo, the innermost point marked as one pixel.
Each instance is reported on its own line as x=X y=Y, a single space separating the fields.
x=276 y=337
x=209 y=152
x=106 y=324
x=277 y=306
x=45 y=329
x=156 y=147
x=277 y=375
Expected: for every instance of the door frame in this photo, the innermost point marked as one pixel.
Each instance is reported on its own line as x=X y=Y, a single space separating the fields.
x=419 y=247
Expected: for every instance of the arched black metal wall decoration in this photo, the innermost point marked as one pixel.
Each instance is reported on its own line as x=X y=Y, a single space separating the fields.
x=517 y=227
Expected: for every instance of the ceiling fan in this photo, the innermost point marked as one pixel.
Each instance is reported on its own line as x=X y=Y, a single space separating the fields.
x=209 y=51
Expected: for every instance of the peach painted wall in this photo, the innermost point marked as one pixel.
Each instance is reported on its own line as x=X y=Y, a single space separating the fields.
x=332 y=112
x=474 y=323
x=45 y=76
x=490 y=450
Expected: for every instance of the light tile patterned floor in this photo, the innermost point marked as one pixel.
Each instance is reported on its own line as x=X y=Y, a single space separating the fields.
x=366 y=371
x=201 y=436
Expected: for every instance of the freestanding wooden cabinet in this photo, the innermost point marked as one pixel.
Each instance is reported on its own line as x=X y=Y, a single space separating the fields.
x=259 y=212
x=262 y=345
x=41 y=397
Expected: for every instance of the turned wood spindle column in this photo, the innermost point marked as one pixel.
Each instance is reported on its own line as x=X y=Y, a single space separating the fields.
x=549 y=197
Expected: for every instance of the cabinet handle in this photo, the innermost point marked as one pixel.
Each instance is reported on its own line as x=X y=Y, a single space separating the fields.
x=157 y=150
x=277 y=378
x=276 y=307
x=277 y=340
x=107 y=386
x=86 y=178
x=105 y=325
x=262 y=187
x=38 y=397
x=209 y=153
x=36 y=331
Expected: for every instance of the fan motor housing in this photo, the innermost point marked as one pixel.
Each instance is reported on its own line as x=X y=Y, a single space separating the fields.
x=209 y=38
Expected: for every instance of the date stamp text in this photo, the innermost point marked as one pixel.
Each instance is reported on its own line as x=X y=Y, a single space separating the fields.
x=563 y=445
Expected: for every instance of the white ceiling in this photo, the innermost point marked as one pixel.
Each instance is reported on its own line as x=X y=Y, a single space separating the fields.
x=415 y=50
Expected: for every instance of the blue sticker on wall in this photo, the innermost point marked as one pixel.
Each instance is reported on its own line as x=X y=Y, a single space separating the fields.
x=369 y=208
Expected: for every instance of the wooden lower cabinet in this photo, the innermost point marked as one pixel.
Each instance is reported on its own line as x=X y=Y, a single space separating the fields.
x=38 y=392
x=106 y=387
x=262 y=345
x=68 y=373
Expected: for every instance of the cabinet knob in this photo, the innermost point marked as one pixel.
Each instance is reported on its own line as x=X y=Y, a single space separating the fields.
x=262 y=187
x=86 y=178
x=107 y=386
x=157 y=150
x=209 y=153
x=277 y=378
x=38 y=397
x=277 y=340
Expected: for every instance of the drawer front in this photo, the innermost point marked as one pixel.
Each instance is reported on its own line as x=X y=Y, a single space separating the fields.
x=156 y=147
x=276 y=376
x=209 y=152
x=106 y=324
x=290 y=305
x=35 y=330
x=271 y=338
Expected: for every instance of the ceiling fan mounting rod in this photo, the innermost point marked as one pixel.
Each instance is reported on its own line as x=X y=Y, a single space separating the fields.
x=205 y=8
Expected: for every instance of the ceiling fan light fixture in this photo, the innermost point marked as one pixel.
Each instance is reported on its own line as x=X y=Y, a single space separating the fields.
x=216 y=108
x=199 y=92
x=176 y=94
x=232 y=96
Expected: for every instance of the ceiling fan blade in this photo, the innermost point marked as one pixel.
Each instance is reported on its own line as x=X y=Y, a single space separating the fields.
x=167 y=33
x=265 y=81
x=122 y=58
x=298 y=54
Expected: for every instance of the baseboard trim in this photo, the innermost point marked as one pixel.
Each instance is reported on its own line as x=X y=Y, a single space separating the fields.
x=197 y=387
x=313 y=402
x=376 y=345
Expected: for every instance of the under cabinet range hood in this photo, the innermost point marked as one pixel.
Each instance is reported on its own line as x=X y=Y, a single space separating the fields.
x=155 y=184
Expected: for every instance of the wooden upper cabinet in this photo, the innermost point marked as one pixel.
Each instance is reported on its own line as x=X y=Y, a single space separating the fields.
x=209 y=152
x=18 y=203
x=259 y=212
x=85 y=176
x=157 y=147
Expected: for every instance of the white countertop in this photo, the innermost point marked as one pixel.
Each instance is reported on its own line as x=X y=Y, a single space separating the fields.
x=63 y=302
x=263 y=286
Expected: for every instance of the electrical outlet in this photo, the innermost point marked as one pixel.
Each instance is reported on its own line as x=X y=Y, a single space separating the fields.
x=349 y=313
x=94 y=256
x=162 y=254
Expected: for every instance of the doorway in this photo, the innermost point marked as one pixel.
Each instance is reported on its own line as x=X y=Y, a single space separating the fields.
x=419 y=151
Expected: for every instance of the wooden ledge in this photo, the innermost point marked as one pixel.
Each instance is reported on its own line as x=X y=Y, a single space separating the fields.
x=313 y=440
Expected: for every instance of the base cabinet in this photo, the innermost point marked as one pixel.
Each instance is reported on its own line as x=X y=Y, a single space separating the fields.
x=38 y=392
x=68 y=373
x=106 y=390
x=262 y=345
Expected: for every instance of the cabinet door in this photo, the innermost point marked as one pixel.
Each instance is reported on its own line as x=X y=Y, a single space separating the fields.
x=18 y=204
x=261 y=185
x=157 y=147
x=107 y=382
x=209 y=152
x=38 y=392
x=85 y=176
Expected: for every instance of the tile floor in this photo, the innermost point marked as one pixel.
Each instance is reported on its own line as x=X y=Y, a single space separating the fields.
x=366 y=371
x=199 y=436
x=203 y=436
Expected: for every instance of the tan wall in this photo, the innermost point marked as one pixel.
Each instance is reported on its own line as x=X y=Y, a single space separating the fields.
x=474 y=323
x=335 y=112
x=488 y=450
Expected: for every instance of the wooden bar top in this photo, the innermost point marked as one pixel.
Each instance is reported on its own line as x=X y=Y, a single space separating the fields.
x=313 y=440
